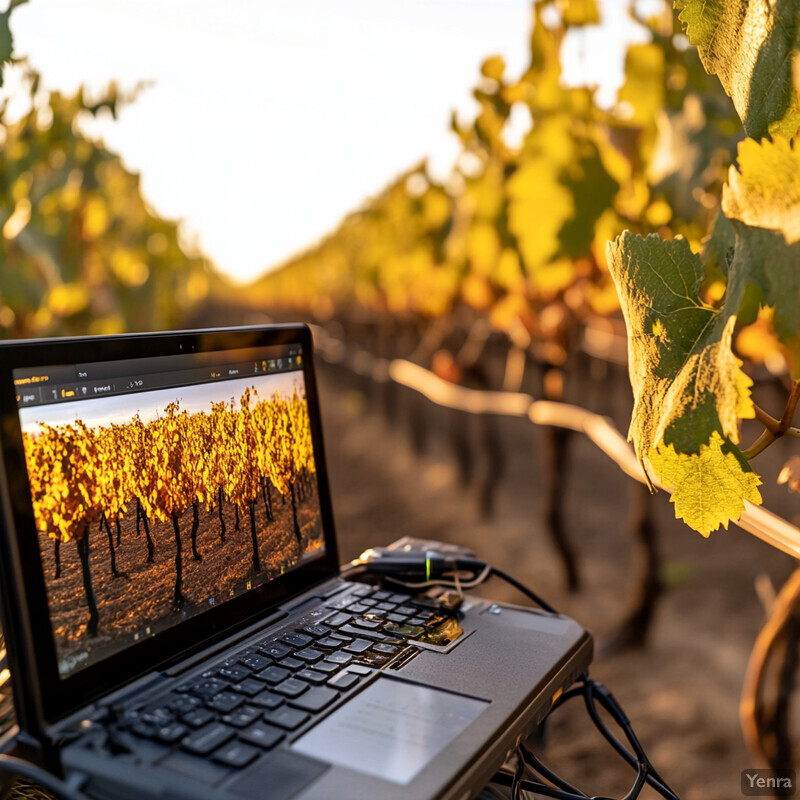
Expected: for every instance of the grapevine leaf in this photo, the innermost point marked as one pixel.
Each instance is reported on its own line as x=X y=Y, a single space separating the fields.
x=709 y=487
x=752 y=46
x=644 y=87
x=687 y=383
x=579 y=12
x=762 y=200
x=718 y=246
x=765 y=191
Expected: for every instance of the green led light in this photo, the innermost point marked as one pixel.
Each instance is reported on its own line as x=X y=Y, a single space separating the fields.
x=427 y=569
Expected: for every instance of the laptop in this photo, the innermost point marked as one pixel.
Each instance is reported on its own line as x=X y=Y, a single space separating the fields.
x=176 y=622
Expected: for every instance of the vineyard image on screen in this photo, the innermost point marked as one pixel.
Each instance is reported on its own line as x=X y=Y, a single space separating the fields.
x=154 y=507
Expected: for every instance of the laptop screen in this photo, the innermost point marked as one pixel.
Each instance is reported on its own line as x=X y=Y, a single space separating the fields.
x=163 y=487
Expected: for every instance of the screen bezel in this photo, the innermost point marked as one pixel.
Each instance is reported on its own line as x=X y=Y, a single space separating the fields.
x=59 y=696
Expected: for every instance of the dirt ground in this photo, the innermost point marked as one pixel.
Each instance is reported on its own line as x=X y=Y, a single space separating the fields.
x=138 y=602
x=682 y=690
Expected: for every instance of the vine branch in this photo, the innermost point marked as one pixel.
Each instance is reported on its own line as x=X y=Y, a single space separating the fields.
x=775 y=428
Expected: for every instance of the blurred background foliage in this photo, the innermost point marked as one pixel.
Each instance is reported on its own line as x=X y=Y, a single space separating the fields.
x=516 y=233
x=81 y=251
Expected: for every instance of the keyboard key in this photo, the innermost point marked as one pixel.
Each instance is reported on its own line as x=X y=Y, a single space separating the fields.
x=184 y=703
x=368 y=624
x=315 y=699
x=361 y=591
x=291 y=663
x=358 y=646
x=316 y=631
x=209 y=738
x=242 y=717
x=267 y=699
x=225 y=702
x=207 y=687
x=338 y=619
x=380 y=595
x=357 y=608
x=275 y=649
x=361 y=633
x=273 y=674
x=344 y=680
x=236 y=754
x=255 y=661
x=198 y=717
x=287 y=718
x=328 y=642
x=407 y=610
x=358 y=669
x=404 y=629
x=157 y=716
x=416 y=621
x=249 y=687
x=338 y=658
x=234 y=674
x=368 y=602
x=312 y=676
x=399 y=598
x=291 y=687
x=399 y=618
x=390 y=649
x=169 y=734
x=144 y=730
x=327 y=667
x=342 y=637
x=262 y=735
x=297 y=639
x=310 y=654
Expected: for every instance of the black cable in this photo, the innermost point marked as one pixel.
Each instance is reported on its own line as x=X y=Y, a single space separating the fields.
x=548 y=774
x=11 y=765
x=516 y=784
x=594 y=692
x=522 y=588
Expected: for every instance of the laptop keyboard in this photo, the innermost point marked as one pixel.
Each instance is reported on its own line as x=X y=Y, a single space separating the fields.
x=248 y=703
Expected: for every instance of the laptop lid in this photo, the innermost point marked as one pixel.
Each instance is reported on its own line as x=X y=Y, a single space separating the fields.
x=159 y=492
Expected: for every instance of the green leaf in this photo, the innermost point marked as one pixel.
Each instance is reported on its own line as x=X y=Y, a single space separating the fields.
x=752 y=46
x=718 y=246
x=709 y=487
x=762 y=201
x=687 y=383
x=6 y=40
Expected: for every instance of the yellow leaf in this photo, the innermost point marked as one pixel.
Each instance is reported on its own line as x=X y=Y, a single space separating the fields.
x=709 y=487
x=493 y=67
x=95 y=218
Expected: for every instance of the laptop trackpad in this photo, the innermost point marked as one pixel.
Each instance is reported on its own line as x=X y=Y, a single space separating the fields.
x=392 y=729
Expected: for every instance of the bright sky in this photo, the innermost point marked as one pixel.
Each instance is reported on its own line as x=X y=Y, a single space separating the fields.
x=269 y=120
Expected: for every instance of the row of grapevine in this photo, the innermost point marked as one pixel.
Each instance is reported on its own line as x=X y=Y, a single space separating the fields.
x=517 y=234
x=82 y=251
x=82 y=476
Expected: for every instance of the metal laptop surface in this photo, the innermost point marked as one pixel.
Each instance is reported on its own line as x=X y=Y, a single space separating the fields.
x=308 y=696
